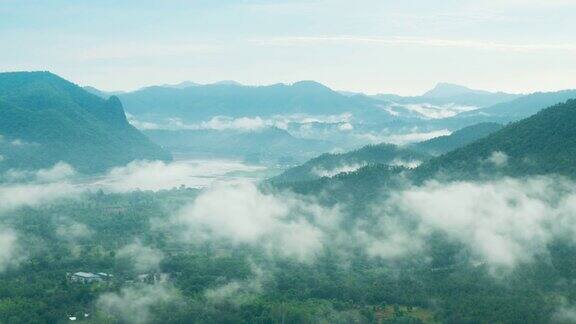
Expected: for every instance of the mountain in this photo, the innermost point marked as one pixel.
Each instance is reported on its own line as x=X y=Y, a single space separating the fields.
x=45 y=119
x=519 y=108
x=268 y=145
x=446 y=93
x=443 y=144
x=227 y=82
x=181 y=85
x=447 y=90
x=203 y=102
x=101 y=93
x=329 y=165
x=542 y=144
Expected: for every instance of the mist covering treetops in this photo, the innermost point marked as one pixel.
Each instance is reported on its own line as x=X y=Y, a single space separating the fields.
x=410 y=156
x=45 y=119
x=328 y=165
x=521 y=107
x=544 y=143
x=443 y=144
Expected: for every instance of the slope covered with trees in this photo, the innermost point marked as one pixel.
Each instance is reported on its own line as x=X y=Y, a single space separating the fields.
x=542 y=144
x=329 y=164
x=45 y=119
x=443 y=144
x=519 y=108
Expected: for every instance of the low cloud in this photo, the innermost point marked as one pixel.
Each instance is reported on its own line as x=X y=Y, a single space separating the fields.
x=73 y=231
x=241 y=214
x=565 y=314
x=246 y=123
x=14 y=142
x=144 y=258
x=8 y=249
x=158 y=175
x=402 y=138
x=407 y=138
x=430 y=111
x=33 y=188
x=59 y=172
x=134 y=304
x=410 y=164
x=503 y=223
x=498 y=159
x=13 y=196
x=238 y=292
x=322 y=172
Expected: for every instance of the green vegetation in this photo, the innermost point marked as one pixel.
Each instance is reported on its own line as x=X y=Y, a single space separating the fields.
x=519 y=108
x=542 y=144
x=45 y=119
x=374 y=258
x=328 y=165
x=336 y=288
x=459 y=138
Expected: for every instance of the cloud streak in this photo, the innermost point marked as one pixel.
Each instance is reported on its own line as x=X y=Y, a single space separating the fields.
x=416 y=41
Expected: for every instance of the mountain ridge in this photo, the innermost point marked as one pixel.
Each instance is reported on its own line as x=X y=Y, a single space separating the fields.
x=60 y=121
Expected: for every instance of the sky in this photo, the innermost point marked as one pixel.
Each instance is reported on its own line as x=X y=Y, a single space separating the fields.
x=372 y=46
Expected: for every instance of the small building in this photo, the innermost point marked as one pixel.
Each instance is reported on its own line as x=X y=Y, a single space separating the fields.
x=104 y=275
x=85 y=277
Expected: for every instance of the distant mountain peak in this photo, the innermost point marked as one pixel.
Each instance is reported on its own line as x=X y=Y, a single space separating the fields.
x=443 y=90
x=228 y=82
x=181 y=85
x=309 y=84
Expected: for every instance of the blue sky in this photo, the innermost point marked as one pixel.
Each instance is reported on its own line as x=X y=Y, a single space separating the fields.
x=373 y=46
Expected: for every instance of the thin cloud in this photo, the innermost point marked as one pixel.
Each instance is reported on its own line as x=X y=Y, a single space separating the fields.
x=417 y=41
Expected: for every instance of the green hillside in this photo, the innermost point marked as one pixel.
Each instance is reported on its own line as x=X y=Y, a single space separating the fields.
x=443 y=144
x=542 y=144
x=45 y=119
x=327 y=165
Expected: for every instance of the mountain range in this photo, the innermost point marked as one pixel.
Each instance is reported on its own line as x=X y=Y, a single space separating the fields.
x=409 y=157
x=447 y=93
x=197 y=103
x=543 y=144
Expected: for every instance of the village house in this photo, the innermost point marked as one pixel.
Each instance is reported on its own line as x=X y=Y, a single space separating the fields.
x=89 y=277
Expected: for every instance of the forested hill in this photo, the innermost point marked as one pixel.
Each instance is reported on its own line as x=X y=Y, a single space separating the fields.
x=443 y=144
x=542 y=144
x=519 y=108
x=328 y=165
x=45 y=119
x=539 y=145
